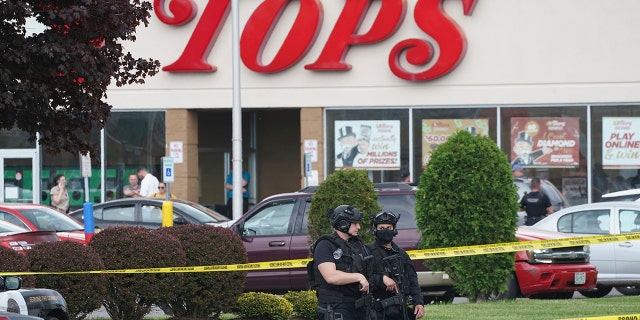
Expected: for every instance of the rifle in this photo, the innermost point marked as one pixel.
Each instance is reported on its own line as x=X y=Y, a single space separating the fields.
x=327 y=313
x=362 y=265
x=394 y=266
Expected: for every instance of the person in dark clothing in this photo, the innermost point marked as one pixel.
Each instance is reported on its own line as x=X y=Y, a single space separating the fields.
x=394 y=281
x=338 y=267
x=536 y=204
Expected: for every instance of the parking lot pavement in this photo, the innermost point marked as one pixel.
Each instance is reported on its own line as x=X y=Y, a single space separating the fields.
x=102 y=313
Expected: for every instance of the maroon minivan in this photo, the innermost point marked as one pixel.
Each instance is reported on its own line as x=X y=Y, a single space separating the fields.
x=276 y=229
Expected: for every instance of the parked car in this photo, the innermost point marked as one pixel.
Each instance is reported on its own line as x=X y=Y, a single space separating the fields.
x=624 y=195
x=21 y=239
x=617 y=262
x=37 y=217
x=16 y=316
x=276 y=229
x=20 y=303
x=558 y=200
x=147 y=212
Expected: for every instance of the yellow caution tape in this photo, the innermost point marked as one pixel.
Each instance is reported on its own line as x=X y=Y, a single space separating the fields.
x=620 y=317
x=414 y=254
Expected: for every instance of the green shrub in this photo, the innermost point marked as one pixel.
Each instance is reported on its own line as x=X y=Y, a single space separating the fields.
x=264 y=306
x=466 y=196
x=351 y=187
x=207 y=293
x=130 y=296
x=12 y=261
x=83 y=293
x=304 y=303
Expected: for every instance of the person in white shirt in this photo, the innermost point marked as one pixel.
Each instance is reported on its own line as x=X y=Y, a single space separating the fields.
x=149 y=183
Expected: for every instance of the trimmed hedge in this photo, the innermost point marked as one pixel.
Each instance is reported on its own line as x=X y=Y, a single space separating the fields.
x=207 y=293
x=304 y=303
x=130 y=296
x=262 y=305
x=83 y=293
x=12 y=261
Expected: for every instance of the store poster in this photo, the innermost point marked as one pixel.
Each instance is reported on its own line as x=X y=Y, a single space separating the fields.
x=545 y=142
x=575 y=190
x=368 y=144
x=620 y=143
x=437 y=131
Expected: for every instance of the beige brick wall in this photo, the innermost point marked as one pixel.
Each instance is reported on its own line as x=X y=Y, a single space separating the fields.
x=311 y=120
x=182 y=125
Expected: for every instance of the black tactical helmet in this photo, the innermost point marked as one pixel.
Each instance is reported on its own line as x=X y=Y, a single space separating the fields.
x=343 y=216
x=384 y=217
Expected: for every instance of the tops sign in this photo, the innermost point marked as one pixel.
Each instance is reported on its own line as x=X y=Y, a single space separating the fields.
x=429 y=16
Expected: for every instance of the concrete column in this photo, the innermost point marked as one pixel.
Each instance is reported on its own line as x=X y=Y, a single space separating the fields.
x=311 y=120
x=182 y=125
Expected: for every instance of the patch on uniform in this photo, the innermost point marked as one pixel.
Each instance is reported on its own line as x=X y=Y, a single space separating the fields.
x=12 y=306
x=337 y=254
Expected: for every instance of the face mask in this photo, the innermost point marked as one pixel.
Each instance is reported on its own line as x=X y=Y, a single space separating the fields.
x=385 y=236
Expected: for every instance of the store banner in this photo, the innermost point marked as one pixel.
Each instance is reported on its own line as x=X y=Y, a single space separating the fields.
x=438 y=131
x=368 y=144
x=621 y=142
x=545 y=142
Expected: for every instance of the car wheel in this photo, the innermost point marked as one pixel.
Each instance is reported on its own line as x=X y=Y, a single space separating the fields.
x=599 y=292
x=513 y=291
x=629 y=290
x=52 y=318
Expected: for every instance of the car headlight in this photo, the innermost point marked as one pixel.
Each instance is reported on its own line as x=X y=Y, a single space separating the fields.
x=540 y=256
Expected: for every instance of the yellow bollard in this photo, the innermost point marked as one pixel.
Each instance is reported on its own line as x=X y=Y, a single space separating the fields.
x=167 y=214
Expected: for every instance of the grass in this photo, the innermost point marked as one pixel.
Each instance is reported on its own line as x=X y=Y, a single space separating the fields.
x=525 y=309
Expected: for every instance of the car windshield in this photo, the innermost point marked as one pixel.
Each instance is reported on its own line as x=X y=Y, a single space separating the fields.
x=46 y=219
x=200 y=212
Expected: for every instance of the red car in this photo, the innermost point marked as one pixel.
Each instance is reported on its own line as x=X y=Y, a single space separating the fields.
x=37 y=217
x=21 y=239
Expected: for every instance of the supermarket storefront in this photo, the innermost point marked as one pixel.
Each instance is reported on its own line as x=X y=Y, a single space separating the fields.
x=551 y=86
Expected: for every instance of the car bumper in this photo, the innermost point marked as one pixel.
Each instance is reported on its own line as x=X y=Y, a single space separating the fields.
x=550 y=278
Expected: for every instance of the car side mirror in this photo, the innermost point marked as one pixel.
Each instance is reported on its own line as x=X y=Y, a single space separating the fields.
x=180 y=221
x=12 y=283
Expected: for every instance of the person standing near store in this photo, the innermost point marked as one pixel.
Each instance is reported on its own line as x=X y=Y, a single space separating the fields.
x=338 y=267
x=245 y=192
x=59 y=194
x=162 y=194
x=535 y=203
x=149 y=183
x=133 y=189
x=394 y=280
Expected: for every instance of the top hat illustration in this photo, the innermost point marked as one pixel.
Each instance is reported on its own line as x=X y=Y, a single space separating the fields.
x=523 y=137
x=345 y=132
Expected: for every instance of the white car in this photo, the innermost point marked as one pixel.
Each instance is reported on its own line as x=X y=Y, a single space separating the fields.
x=617 y=262
x=624 y=195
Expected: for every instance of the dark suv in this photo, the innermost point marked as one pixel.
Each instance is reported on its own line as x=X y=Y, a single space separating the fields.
x=276 y=229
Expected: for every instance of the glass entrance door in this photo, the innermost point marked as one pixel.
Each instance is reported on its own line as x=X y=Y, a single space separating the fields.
x=19 y=176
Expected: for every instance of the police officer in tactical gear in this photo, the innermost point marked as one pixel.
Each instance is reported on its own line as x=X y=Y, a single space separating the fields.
x=394 y=282
x=535 y=203
x=338 y=267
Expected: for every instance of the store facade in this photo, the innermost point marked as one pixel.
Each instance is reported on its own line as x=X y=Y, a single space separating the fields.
x=555 y=84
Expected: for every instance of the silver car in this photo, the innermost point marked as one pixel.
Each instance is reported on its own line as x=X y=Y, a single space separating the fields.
x=617 y=262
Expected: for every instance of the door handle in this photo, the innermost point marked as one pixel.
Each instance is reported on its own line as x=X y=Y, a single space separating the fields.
x=276 y=243
x=626 y=244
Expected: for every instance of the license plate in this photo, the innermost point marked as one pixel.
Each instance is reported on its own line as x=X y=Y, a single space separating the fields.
x=580 y=278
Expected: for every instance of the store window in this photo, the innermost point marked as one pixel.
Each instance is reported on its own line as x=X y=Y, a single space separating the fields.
x=376 y=140
x=615 y=149
x=132 y=140
x=549 y=143
x=433 y=126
